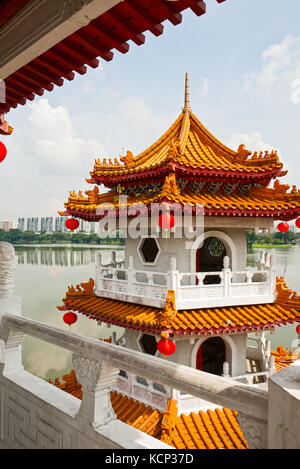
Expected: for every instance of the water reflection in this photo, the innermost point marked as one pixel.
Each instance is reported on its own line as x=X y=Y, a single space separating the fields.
x=66 y=257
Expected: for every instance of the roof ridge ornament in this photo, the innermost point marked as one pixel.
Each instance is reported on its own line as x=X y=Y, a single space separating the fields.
x=187 y=106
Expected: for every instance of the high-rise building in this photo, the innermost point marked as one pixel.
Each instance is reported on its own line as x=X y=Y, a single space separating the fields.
x=21 y=224
x=6 y=225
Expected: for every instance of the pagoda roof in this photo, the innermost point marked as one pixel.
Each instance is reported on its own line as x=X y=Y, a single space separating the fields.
x=191 y=151
x=212 y=429
x=284 y=357
x=275 y=202
x=206 y=321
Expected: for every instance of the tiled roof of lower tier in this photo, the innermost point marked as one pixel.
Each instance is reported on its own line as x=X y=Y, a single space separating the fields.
x=258 y=202
x=213 y=429
x=195 y=321
x=284 y=357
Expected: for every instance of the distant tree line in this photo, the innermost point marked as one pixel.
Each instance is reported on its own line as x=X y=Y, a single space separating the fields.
x=16 y=236
x=275 y=238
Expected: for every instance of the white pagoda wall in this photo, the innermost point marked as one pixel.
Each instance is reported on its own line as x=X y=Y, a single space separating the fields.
x=186 y=258
x=186 y=352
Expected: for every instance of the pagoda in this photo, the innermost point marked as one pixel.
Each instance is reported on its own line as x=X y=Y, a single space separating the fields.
x=196 y=292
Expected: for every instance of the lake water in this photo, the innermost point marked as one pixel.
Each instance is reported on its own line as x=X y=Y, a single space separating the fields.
x=44 y=273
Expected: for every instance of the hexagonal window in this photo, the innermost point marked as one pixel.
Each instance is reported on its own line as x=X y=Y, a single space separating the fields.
x=148 y=344
x=215 y=247
x=149 y=250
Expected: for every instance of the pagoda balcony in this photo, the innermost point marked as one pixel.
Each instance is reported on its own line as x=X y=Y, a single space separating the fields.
x=192 y=290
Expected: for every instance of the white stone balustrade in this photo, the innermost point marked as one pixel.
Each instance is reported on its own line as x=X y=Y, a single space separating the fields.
x=191 y=289
x=36 y=403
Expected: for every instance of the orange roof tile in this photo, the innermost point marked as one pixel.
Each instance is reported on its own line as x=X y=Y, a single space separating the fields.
x=214 y=429
x=204 y=321
x=284 y=357
x=276 y=203
x=187 y=143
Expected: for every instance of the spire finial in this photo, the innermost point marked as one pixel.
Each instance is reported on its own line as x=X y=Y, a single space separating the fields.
x=187 y=106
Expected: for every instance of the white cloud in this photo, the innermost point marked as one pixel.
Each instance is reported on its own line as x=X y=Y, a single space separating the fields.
x=253 y=142
x=280 y=64
x=57 y=146
x=205 y=87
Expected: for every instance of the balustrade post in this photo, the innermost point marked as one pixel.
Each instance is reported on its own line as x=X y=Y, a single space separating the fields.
x=226 y=370
x=173 y=277
x=130 y=276
x=226 y=277
x=9 y=304
x=272 y=275
x=261 y=262
x=97 y=380
x=12 y=351
x=98 y=272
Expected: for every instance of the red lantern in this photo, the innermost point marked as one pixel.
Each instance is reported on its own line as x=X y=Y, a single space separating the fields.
x=166 y=221
x=282 y=227
x=3 y=151
x=298 y=329
x=72 y=224
x=297 y=222
x=70 y=318
x=166 y=347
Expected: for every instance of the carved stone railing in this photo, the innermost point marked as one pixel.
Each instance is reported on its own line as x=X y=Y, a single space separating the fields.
x=97 y=365
x=144 y=390
x=192 y=290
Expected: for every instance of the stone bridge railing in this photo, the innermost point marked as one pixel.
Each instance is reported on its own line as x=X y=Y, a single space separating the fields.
x=38 y=414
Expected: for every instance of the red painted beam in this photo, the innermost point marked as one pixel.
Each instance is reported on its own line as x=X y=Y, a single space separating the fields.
x=22 y=84
x=97 y=31
x=92 y=46
x=62 y=58
x=15 y=91
x=199 y=8
x=121 y=24
x=144 y=18
x=35 y=74
x=169 y=11
x=48 y=65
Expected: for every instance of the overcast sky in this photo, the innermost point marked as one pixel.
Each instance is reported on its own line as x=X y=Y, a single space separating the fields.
x=243 y=59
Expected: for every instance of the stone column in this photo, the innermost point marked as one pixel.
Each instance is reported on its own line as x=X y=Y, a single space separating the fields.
x=284 y=408
x=97 y=380
x=254 y=430
x=9 y=304
x=7 y=268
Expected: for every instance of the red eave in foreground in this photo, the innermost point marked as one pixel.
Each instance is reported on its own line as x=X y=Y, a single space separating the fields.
x=127 y=20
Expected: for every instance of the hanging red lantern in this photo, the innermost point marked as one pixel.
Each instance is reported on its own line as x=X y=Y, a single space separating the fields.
x=166 y=347
x=297 y=222
x=72 y=224
x=166 y=221
x=298 y=329
x=70 y=318
x=3 y=151
x=282 y=227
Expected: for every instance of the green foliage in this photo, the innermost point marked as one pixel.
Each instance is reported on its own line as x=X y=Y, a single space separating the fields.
x=29 y=237
x=274 y=239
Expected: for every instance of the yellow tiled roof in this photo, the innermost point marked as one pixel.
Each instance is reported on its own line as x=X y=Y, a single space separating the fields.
x=214 y=429
x=188 y=143
x=284 y=357
x=206 y=320
x=275 y=202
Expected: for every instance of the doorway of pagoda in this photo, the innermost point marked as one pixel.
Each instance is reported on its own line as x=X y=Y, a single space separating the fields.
x=209 y=258
x=211 y=355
